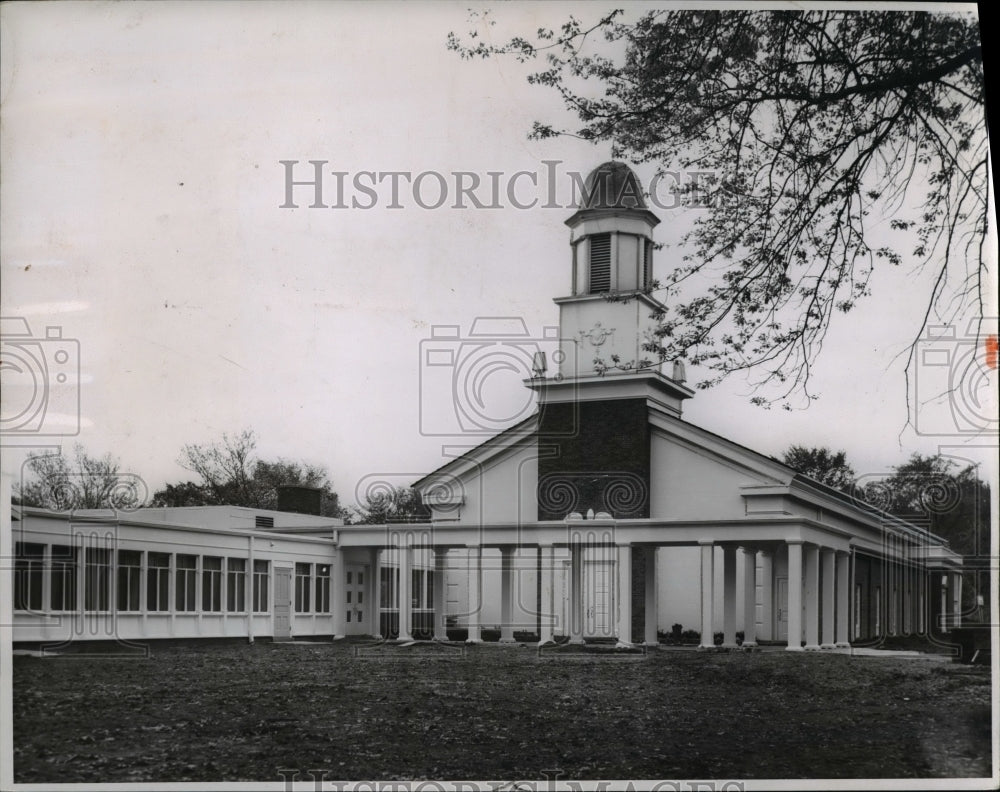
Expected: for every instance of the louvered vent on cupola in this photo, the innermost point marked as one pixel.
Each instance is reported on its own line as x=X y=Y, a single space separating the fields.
x=600 y=263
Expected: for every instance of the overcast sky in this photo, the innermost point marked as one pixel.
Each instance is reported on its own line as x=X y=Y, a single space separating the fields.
x=141 y=212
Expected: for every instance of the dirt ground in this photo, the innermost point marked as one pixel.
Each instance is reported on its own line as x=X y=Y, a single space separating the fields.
x=360 y=711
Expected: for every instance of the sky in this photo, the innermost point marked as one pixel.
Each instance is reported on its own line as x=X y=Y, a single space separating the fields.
x=142 y=214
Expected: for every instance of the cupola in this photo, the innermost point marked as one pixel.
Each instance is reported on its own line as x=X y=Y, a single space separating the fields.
x=611 y=233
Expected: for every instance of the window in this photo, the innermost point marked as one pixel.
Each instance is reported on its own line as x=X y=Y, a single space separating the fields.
x=303 y=587
x=236 y=584
x=600 y=263
x=158 y=582
x=323 y=588
x=129 y=571
x=186 y=581
x=260 y=578
x=28 y=561
x=647 y=263
x=388 y=586
x=417 y=588
x=63 y=584
x=211 y=584
x=97 y=580
x=878 y=611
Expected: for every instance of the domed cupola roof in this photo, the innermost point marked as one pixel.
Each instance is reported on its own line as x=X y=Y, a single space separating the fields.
x=612 y=185
x=612 y=190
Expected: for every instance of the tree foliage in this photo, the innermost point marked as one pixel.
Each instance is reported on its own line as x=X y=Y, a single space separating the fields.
x=54 y=481
x=821 y=464
x=821 y=129
x=402 y=504
x=230 y=473
x=951 y=502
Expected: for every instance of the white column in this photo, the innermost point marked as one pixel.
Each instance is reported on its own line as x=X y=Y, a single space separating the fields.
x=507 y=594
x=843 y=599
x=707 y=594
x=651 y=593
x=766 y=596
x=749 y=597
x=375 y=591
x=545 y=606
x=475 y=592
x=339 y=585
x=795 y=596
x=624 y=567
x=829 y=579
x=811 y=553
x=576 y=592
x=729 y=596
x=440 y=590
x=405 y=598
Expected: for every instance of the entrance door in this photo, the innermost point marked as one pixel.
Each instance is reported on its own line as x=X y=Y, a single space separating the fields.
x=597 y=617
x=356 y=582
x=781 y=615
x=282 y=604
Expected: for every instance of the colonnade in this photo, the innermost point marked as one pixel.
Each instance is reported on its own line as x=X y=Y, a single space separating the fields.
x=547 y=606
x=817 y=612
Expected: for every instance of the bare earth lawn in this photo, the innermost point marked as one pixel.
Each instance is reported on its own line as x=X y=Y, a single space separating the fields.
x=238 y=712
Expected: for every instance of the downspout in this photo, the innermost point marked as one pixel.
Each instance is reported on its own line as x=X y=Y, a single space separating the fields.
x=250 y=589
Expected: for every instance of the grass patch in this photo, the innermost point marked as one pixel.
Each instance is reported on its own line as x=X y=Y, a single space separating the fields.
x=363 y=711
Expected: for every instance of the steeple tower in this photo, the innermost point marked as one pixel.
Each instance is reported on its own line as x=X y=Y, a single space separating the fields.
x=611 y=236
x=594 y=415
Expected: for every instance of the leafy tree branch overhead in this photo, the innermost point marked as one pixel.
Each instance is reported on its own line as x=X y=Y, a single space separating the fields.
x=838 y=141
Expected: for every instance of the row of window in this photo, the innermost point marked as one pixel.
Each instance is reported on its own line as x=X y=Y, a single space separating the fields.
x=304 y=587
x=421 y=588
x=152 y=581
x=156 y=582
x=906 y=604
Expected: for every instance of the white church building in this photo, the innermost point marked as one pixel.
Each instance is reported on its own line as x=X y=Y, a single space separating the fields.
x=605 y=515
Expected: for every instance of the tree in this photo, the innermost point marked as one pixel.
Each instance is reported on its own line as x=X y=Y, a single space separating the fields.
x=812 y=128
x=85 y=482
x=825 y=466
x=402 y=504
x=951 y=502
x=231 y=474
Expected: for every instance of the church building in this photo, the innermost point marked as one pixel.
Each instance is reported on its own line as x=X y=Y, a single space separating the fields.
x=605 y=515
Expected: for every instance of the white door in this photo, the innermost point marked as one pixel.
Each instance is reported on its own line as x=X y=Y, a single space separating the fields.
x=781 y=614
x=282 y=604
x=598 y=587
x=358 y=617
